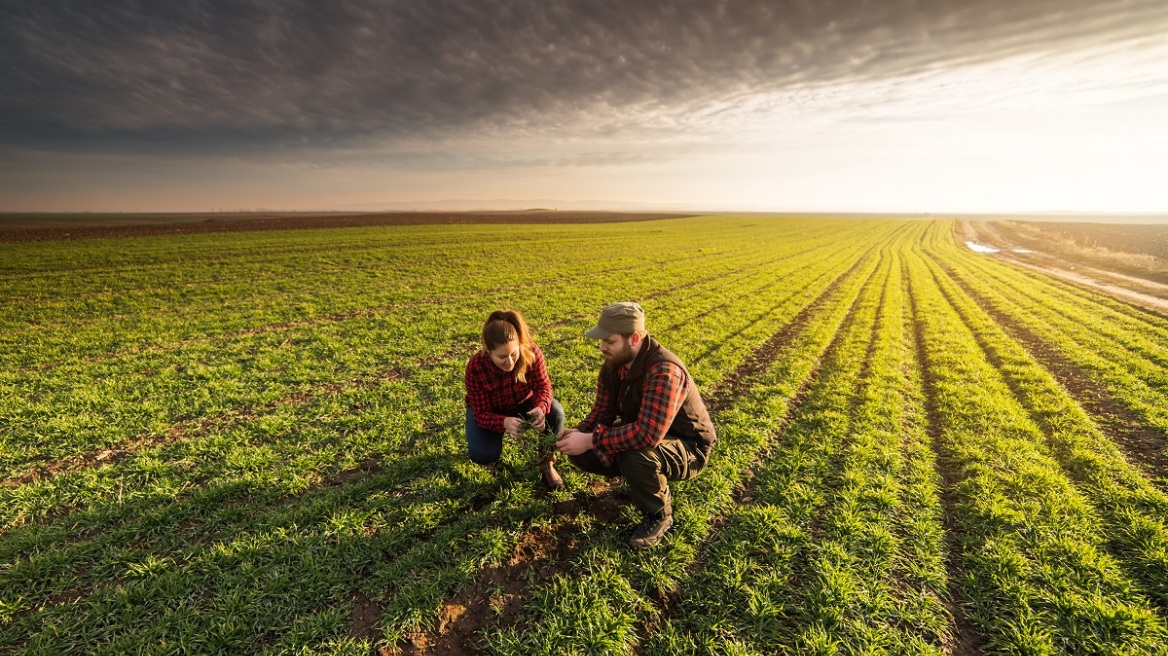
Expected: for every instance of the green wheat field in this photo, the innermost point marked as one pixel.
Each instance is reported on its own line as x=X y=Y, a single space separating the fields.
x=253 y=443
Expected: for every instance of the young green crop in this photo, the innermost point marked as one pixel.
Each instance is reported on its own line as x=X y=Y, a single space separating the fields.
x=253 y=442
x=125 y=487
x=806 y=563
x=528 y=431
x=1036 y=574
x=1132 y=509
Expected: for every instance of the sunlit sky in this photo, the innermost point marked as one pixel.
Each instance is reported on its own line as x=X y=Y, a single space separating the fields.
x=791 y=105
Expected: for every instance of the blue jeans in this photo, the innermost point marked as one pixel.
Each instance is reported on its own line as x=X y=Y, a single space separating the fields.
x=485 y=446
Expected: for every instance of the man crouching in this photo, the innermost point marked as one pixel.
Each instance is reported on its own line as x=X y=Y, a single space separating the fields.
x=648 y=423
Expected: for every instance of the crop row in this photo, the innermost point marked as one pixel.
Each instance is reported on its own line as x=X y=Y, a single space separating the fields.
x=837 y=547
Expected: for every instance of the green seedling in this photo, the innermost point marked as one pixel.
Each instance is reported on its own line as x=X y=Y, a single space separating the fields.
x=528 y=429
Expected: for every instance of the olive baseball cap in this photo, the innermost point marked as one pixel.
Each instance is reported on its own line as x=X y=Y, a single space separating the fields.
x=625 y=317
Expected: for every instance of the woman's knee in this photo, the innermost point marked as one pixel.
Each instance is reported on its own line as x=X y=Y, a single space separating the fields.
x=483 y=447
x=482 y=457
x=482 y=452
x=555 y=418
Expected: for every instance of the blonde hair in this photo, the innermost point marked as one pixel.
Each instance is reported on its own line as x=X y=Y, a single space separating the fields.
x=502 y=327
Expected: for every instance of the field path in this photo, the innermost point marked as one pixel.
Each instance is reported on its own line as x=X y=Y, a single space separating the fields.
x=1156 y=298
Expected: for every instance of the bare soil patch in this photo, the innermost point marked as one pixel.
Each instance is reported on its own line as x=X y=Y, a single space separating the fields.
x=54 y=228
x=363 y=621
x=497 y=595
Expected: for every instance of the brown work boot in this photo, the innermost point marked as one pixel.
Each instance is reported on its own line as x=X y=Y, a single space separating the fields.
x=651 y=530
x=547 y=467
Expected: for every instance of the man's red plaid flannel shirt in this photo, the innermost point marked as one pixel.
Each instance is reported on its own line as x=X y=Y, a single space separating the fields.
x=490 y=390
x=663 y=394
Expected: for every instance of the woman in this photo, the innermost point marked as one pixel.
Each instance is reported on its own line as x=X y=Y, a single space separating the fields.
x=506 y=383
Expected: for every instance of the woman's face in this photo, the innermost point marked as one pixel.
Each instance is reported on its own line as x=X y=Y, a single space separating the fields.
x=505 y=355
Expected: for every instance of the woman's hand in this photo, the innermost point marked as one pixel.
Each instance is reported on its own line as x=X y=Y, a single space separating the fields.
x=511 y=426
x=538 y=419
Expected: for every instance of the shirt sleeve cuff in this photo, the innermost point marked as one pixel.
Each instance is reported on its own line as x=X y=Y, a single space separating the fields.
x=492 y=422
x=605 y=456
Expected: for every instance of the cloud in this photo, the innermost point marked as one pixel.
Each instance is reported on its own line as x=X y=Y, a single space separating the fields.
x=274 y=75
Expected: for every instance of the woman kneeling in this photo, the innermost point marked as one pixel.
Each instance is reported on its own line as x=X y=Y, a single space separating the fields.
x=507 y=385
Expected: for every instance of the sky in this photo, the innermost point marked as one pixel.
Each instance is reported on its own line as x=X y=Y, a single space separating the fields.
x=713 y=105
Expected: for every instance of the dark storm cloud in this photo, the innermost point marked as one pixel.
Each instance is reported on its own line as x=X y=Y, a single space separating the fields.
x=219 y=75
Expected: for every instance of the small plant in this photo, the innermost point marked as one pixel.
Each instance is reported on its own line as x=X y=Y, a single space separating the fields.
x=528 y=429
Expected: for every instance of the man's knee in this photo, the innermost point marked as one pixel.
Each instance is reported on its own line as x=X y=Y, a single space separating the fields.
x=672 y=460
x=639 y=464
x=587 y=462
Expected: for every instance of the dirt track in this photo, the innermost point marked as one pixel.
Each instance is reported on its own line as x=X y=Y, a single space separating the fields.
x=1150 y=294
x=30 y=230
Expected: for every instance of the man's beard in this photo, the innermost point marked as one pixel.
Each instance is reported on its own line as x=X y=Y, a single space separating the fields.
x=622 y=357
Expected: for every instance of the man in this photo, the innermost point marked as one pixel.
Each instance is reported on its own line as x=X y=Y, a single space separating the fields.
x=648 y=423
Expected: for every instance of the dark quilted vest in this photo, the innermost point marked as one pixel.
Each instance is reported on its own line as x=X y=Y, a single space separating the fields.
x=692 y=422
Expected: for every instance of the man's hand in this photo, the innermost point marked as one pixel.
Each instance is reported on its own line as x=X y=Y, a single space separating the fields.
x=537 y=418
x=573 y=442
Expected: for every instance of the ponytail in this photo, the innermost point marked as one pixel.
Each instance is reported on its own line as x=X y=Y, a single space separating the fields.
x=501 y=327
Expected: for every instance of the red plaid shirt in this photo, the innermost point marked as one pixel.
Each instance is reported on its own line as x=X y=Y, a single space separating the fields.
x=663 y=393
x=491 y=391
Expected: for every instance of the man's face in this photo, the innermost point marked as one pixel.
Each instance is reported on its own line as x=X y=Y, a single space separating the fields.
x=617 y=350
